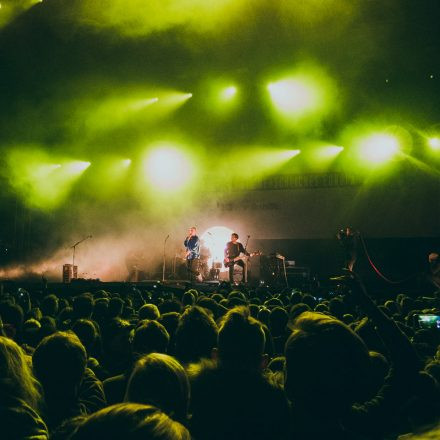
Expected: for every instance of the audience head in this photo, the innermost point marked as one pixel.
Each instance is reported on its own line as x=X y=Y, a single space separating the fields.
x=59 y=363
x=83 y=306
x=295 y=311
x=115 y=307
x=130 y=421
x=159 y=380
x=149 y=311
x=87 y=334
x=12 y=317
x=188 y=299
x=48 y=326
x=326 y=364
x=264 y=315
x=16 y=377
x=149 y=337
x=64 y=319
x=337 y=307
x=116 y=342
x=309 y=300
x=170 y=321
x=241 y=340
x=49 y=306
x=196 y=335
x=278 y=321
x=31 y=332
x=170 y=305
x=100 y=310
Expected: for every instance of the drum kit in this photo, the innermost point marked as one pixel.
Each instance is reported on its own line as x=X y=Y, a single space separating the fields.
x=208 y=272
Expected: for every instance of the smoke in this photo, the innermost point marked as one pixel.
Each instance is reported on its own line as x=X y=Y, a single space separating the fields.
x=141 y=17
x=119 y=243
x=10 y=9
x=109 y=257
x=73 y=67
x=144 y=17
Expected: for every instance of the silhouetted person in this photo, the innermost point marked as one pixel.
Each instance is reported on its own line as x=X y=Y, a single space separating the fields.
x=159 y=380
x=70 y=389
x=196 y=335
x=20 y=395
x=233 y=400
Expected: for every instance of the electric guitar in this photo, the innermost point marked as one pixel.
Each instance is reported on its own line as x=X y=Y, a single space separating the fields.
x=229 y=262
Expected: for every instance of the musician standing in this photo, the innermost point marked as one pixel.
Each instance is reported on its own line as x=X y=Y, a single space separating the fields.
x=349 y=239
x=192 y=245
x=233 y=250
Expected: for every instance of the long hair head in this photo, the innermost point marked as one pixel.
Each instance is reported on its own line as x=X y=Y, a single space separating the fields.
x=16 y=377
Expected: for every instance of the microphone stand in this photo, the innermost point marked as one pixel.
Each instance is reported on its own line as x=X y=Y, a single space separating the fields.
x=163 y=262
x=246 y=261
x=74 y=249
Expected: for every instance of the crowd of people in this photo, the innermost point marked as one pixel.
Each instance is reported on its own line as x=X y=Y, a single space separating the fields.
x=235 y=363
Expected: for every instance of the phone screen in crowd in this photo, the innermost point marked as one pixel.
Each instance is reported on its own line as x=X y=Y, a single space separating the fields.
x=429 y=321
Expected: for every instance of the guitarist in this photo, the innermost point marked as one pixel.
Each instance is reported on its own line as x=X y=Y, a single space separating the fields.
x=233 y=250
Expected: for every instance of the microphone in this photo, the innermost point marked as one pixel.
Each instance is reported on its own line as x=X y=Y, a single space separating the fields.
x=168 y=236
x=90 y=236
x=248 y=236
x=208 y=233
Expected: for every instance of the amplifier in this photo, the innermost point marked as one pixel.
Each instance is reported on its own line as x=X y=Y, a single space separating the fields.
x=70 y=273
x=298 y=276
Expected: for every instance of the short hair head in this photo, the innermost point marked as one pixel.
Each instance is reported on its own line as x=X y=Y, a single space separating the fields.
x=196 y=335
x=149 y=337
x=326 y=364
x=59 y=363
x=241 y=339
x=160 y=380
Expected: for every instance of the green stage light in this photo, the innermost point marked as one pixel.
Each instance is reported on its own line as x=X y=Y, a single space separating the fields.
x=9 y=10
x=264 y=160
x=434 y=143
x=109 y=176
x=169 y=101
x=376 y=145
x=319 y=155
x=40 y=183
x=220 y=95
x=304 y=94
x=378 y=148
x=261 y=161
x=228 y=93
x=168 y=169
x=294 y=96
x=76 y=167
x=329 y=151
x=132 y=107
x=142 y=103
